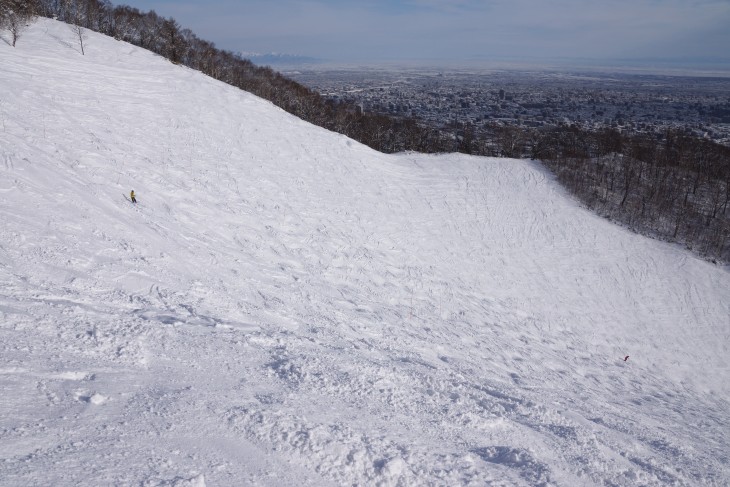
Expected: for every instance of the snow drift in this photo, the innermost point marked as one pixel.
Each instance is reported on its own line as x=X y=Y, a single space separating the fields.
x=285 y=306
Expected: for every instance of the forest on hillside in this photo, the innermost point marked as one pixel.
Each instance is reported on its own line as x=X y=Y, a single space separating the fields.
x=676 y=189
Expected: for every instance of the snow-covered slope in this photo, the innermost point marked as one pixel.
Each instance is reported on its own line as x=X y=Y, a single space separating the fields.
x=285 y=306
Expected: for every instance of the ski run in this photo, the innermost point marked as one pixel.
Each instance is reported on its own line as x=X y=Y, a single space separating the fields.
x=287 y=307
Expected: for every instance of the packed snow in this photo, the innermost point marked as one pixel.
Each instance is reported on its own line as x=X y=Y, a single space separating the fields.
x=285 y=306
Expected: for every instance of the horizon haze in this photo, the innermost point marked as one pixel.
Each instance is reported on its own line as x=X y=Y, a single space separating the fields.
x=665 y=33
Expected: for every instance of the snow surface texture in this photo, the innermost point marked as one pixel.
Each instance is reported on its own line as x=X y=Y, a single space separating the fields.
x=285 y=306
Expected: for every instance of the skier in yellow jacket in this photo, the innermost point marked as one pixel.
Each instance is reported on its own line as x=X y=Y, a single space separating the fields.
x=131 y=196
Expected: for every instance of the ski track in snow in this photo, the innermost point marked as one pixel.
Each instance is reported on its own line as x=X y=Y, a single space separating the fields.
x=285 y=306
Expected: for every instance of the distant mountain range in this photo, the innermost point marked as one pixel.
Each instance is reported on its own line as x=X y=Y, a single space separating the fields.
x=275 y=58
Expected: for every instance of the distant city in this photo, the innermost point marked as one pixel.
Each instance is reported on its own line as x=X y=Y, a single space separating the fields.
x=630 y=103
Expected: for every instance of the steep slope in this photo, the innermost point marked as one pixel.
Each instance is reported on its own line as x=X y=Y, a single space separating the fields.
x=287 y=307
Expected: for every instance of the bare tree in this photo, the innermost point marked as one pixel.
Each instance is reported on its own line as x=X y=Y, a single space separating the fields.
x=511 y=141
x=79 y=35
x=78 y=15
x=15 y=15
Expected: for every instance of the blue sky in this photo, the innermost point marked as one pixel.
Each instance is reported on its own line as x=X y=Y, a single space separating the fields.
x=693 y=31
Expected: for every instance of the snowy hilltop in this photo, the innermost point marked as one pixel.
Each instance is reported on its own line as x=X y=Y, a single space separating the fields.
x=285 y=306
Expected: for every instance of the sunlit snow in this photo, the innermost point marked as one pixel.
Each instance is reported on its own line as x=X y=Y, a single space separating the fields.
x=285 y=306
